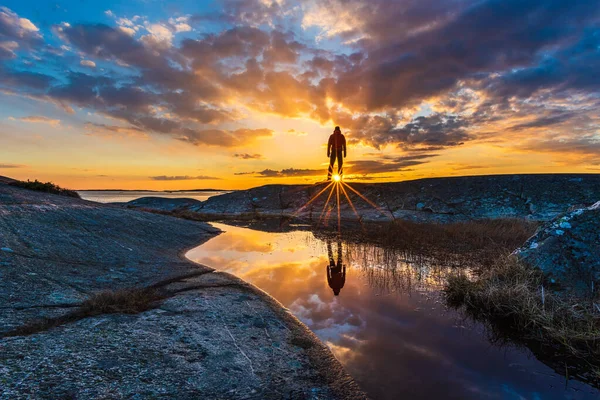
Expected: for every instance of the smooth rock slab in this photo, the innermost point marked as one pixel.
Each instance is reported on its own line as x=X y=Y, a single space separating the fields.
x=229 y=342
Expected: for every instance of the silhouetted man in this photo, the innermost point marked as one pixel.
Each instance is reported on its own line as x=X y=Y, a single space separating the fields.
x=335 y=147
x=336 y=273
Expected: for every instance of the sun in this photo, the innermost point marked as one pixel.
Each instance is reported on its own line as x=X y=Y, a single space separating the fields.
x=337 y=178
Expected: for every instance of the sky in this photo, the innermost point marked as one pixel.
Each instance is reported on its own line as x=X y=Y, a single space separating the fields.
x=147 y=94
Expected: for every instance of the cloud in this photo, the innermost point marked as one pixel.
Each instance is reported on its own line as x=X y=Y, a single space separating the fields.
x=419 y=76
x=12 y=166
x=13 y=26
x=110 y=130
x=216 y=137
x=296 y=133
x=87 y=63
x=586 y=147
x=387 y=164
x=180 y=24
x=246 y=156
x=183 y=178
x=461 y=167
x=159 y=35
x=289 y=172
x=38 y=119
x=7 y=49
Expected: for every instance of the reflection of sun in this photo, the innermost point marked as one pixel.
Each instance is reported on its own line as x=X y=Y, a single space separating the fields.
x=337 y=178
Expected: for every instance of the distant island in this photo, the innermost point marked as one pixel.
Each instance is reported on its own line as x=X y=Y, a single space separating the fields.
x=155 y=191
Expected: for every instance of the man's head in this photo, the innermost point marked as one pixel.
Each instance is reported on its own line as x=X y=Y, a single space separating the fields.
x=337 y=130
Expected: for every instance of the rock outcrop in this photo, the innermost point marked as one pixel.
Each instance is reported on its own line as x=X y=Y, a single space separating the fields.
x=536 y=197
x=567 y=250
x=163 y=204
x=210 y=336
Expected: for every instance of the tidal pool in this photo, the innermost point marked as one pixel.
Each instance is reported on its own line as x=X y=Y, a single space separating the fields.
x=388 y=324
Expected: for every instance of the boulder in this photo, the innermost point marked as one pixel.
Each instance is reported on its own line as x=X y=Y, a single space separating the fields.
x=567 y=250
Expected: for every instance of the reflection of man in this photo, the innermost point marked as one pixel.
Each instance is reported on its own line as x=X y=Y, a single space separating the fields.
x=336 y=272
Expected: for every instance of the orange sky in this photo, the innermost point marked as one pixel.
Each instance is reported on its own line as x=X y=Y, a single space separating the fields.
x=162 y=99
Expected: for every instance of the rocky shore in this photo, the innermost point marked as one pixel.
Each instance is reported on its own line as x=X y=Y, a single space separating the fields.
x=536 y=197
x=210 y=336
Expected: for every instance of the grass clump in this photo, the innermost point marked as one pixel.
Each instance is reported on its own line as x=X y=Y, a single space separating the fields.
x=124 y=301
x=515 y=302
x=47 y=187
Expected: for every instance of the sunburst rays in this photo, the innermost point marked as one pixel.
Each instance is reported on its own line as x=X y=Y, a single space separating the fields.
x=340 y=188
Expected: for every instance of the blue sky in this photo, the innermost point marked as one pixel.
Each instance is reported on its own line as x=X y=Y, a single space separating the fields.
x=223 y=90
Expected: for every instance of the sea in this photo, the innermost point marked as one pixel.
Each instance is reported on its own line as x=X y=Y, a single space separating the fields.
x=123 y=196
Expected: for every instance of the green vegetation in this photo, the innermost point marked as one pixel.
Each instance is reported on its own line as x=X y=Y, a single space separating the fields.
x=47 y=187
x=513 y=299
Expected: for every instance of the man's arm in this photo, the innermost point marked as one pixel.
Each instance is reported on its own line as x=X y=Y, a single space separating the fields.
x=344 y=145
x=329 y=144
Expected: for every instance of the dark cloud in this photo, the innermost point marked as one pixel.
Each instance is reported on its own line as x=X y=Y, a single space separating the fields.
x=105 y=42
x=587 y=147
x=546 y=120
x=464 y=167
x=12 y=166
x=246 y=156
x=112 y=128
x=420 y=49
x=288 y=172
x=24 y=79
x=387 y=164
x=436 y=130
x=183 y=178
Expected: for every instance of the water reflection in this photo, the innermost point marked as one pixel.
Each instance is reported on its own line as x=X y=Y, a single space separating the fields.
x=336 y=271
x=388 y=326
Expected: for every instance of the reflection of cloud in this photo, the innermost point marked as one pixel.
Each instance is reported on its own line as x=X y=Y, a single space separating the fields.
x=241 y=242
x=377 y=332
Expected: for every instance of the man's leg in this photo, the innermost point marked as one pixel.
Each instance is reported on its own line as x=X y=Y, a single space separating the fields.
x=340 y=157
x=331 y=162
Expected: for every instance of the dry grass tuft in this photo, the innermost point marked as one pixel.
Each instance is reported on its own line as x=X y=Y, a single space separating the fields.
x=476 y=242
x=123 y=301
